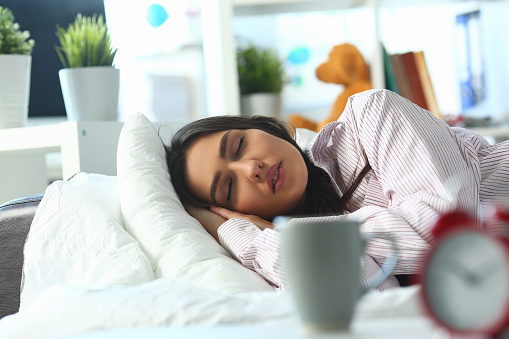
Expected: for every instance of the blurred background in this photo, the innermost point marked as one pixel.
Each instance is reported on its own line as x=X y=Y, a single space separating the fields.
x=176 y=61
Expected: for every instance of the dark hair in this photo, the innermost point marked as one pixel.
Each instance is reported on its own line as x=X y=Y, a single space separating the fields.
x=321 y=198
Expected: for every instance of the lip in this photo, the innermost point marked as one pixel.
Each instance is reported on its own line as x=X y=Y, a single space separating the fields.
x=280 y=179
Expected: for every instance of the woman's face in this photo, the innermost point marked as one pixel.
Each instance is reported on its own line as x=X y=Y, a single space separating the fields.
x=249 y=171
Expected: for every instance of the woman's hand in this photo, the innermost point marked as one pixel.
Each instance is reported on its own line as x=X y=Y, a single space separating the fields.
x=209 y=220
x=228 y=214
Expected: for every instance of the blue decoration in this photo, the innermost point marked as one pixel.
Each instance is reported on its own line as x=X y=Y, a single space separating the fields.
x=299 y=55
x=297 y=81
x=157 y=15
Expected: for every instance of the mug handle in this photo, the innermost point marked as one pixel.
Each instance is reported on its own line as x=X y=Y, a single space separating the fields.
x=389 y=264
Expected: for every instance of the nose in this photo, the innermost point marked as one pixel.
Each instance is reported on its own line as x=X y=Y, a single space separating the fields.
x=251 y=169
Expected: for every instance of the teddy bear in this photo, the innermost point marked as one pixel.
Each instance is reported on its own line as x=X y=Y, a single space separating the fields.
x=346 y=66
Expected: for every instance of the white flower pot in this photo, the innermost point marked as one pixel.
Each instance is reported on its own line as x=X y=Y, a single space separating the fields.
x=90 y=93
x=268 y=104
x=14 y=89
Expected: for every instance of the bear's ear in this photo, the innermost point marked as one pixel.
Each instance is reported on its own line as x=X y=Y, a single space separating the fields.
x=337 y=55
x=342 y=64
x=352 y=68
x=353 y=64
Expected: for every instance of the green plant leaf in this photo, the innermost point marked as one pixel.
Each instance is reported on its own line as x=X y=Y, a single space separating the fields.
x=260 y=70
x=12 y=39
x=85 y=43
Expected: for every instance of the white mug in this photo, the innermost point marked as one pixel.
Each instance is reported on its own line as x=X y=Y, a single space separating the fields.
x=321 y=260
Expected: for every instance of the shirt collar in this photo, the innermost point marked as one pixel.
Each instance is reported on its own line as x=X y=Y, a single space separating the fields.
x=315 y=149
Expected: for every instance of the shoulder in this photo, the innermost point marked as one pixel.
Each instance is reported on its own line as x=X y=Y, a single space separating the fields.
x=374 y=93
x=372 y=97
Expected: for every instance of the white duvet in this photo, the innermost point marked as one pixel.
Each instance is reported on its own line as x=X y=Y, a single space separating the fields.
x=84 y=272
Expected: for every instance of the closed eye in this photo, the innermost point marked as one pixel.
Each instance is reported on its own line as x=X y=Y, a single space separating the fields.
x=240 y=145
x=229 y=196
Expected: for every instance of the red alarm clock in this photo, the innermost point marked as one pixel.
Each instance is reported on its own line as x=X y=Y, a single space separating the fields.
x=465 y=280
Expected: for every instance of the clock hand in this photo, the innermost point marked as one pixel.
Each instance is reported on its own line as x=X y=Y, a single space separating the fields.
x=489 y=269
x=459 y=268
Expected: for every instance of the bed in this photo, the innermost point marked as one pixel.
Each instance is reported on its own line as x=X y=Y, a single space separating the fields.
x=118 y=257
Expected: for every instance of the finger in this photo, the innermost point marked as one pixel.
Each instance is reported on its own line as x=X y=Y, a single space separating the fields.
x=225 y=213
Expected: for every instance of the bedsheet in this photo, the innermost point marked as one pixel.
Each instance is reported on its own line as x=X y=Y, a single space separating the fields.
x=65 y=310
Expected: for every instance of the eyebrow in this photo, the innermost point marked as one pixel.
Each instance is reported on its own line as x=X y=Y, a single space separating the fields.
x=217 y=176
x=222 y=144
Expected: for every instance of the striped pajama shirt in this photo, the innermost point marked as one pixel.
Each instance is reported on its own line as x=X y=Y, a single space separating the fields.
x=420 y=168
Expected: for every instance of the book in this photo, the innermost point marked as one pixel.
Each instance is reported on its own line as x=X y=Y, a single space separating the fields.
x=390 y=77
x=401 y=77
x=414 y=79
x=426 y=83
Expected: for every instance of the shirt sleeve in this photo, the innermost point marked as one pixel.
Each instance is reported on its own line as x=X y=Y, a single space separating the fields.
x=259 y=251
x=255 y=249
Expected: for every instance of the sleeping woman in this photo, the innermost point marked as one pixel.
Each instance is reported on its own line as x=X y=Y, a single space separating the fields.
x=386 y=163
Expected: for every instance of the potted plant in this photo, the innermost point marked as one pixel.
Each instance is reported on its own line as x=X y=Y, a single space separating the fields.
x=15 y=66
x=261 y=81
x=90 y=83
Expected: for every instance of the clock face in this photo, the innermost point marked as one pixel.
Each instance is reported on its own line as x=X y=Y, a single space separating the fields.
x=466 y=282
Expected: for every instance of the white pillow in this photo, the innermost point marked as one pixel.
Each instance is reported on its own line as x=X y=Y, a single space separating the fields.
x=304 y=136
x=177 y=246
